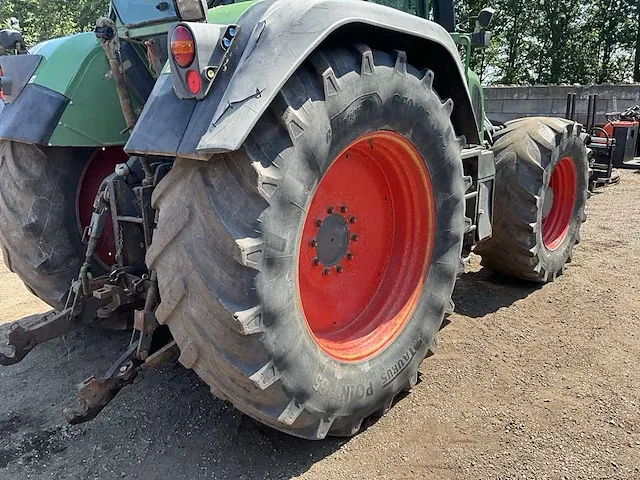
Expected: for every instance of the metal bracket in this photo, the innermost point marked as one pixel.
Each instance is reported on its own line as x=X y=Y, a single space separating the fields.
x=95 y=394
x=22 y=336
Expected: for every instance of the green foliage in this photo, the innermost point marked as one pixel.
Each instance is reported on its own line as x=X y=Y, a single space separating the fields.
x=44 y=19
x=558 y=41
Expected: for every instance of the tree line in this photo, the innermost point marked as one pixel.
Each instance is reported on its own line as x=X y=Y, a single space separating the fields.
x=534 y=41
x=552 y=41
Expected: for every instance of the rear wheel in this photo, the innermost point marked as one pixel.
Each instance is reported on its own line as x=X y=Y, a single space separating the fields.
x=540 y=197
x=46 y=197
x=305 y=276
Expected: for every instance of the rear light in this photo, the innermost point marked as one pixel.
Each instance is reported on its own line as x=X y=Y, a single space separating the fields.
x=194 y=82
x=198 y=52
x=183 y=46
x=192 y=10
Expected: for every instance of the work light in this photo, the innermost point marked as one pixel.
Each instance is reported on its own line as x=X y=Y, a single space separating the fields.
x=191 y=10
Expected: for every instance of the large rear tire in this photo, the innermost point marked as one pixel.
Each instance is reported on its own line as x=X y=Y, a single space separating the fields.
x=40 y=213
x=280 y=300
x=542 y=173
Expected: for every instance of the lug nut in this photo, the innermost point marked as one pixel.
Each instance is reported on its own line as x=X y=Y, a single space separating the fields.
x=313 y=243
x=349 y=256
x=315 y=262
x=343 y=209
x=318 y=223
x=352 y=219
x=339 y=268
x=329 y=210
x=326 y=272
x=354 y=238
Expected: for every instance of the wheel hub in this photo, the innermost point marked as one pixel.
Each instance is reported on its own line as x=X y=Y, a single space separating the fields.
x=366 y=245
x=332 y=241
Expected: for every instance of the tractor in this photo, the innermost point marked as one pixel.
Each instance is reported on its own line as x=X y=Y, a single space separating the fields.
x=280 y=192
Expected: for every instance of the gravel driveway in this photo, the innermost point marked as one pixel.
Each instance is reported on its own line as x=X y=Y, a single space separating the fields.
x=529 y=382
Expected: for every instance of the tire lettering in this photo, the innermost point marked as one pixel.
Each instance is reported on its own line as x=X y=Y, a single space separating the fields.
x=343 y=393
x=321 y=384
x=399 y=365
x=364 y=105
x=407 y=103
x=355 y=391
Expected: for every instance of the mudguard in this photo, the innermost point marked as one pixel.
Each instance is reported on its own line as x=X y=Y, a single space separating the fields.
x=69 y=100
x=276 y=36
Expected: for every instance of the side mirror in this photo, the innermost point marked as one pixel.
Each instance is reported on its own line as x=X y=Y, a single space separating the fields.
x=484 y=18
x=191 y=10
x=480 y=39
x=11 y=40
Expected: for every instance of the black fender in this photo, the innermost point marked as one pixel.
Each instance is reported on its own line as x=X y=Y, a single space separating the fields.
x=276 y=37
x=30 y=112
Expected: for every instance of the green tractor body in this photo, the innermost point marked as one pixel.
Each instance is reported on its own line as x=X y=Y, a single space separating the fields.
x=282 y=193
x=76 y=68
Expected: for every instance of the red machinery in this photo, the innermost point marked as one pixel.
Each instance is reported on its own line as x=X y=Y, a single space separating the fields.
x=614 y=144
x=623 y=127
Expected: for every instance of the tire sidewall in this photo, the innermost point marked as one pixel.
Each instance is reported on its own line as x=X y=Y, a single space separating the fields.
x=387 y=100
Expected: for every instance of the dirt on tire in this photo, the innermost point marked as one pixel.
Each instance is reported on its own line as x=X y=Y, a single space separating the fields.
x=529 y=381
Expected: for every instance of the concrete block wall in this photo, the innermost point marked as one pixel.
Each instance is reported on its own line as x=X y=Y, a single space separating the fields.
x=506 y=103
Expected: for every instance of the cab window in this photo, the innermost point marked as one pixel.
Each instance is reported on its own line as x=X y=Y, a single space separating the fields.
x=409 y=6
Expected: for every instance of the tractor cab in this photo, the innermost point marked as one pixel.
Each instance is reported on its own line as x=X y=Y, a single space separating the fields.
x=132 y=12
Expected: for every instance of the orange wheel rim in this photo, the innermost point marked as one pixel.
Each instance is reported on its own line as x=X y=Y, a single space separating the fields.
x=563 y=186
x=366 y=246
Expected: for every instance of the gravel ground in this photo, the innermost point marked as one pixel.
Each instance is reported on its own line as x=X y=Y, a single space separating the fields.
x=528 y=382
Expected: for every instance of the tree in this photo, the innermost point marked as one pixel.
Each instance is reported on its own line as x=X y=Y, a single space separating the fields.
x=534 y=41
x=44 y=19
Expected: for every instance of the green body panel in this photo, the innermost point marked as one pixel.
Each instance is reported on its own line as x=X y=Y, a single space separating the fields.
x=77 y=67
x=477 y=99
x=473 y=81
x=227 y=14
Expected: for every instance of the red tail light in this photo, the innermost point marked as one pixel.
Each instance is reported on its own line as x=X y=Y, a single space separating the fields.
x=194 y=82
x=183 y=46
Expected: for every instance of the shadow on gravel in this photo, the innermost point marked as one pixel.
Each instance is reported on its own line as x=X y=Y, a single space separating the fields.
x=483 y=292
x=167 y=425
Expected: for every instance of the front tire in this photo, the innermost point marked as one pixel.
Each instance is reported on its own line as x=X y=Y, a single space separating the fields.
x=540 y=196
x=246 y=280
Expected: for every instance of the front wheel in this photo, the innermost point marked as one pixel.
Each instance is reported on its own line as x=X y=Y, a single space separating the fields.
x=305 y=276
x=540 y=196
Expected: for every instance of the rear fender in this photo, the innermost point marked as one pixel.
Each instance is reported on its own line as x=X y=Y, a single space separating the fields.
x=70 y=99
x=30 y=112
x=16 y=70
x=275 y=38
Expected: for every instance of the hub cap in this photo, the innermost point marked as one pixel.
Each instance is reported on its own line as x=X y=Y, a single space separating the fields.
x=559 y=201
x=366 y=246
